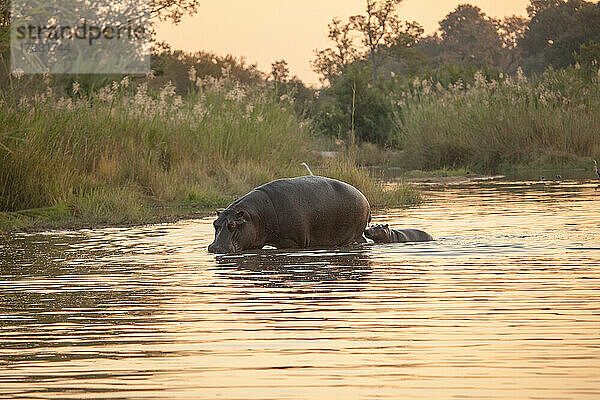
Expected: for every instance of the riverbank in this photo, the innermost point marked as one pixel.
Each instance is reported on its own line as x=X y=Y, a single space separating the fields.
x=125 y=155
x=63 y=217
x=59 y=217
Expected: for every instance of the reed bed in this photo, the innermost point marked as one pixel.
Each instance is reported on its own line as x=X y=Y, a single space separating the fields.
x=496 y=123
x=124 y=154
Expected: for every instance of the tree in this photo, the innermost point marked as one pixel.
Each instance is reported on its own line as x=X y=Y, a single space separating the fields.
x=469 y=35
x=173 y=10
x=401 y=53
x=556 y=30
x=280 y=71
x=163 y=10
x=431 y=47
x=355 y=109
x=377 y=29
x=4 y=25
x=4 y=13
x=330 y=62
x=404 y=34
x=588 y=58
x=384 y=39
x=512 y=30
x=153 y=11
x=158 y=10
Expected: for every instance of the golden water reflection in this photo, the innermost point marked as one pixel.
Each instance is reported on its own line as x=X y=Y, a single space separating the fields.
x=503 y=305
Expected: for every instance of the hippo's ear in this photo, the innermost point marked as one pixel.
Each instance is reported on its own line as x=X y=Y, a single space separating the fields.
x=241 y=216
x=386 y=226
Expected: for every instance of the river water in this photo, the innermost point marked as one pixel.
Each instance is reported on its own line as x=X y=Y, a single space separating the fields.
x=504 y=304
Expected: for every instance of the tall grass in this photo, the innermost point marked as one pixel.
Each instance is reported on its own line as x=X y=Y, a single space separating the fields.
x=114 y=155
x=495 y=123
x=378 y=192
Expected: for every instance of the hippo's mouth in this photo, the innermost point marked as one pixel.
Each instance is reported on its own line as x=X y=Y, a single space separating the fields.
x=212 y=248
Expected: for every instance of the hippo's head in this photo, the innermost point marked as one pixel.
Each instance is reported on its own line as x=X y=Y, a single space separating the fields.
x=234 y=232
x=378 y=233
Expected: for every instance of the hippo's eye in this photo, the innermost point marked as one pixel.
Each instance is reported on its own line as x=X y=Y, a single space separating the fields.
x=231 y=226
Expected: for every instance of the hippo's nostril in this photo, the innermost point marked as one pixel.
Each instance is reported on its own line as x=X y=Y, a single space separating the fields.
x=212 y=248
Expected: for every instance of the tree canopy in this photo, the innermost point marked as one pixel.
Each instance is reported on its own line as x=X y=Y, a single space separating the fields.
x=469 y=35
x=556 y=30
x=376 y=36
x=550 y=35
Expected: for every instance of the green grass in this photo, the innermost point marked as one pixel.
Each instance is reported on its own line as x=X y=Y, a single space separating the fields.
x=124 y=155
x=494 y=125
x=45 y=216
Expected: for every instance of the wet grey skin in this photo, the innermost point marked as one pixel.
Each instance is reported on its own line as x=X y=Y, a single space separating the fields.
x=303 y=212
x=384 y=234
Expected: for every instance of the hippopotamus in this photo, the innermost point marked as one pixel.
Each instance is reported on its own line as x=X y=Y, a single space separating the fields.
x=384 y=234
x=303 y=212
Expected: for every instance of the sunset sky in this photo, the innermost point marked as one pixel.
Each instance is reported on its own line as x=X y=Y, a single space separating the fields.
x=264 y=31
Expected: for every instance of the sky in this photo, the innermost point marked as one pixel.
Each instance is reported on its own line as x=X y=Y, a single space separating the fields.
x=264 y=31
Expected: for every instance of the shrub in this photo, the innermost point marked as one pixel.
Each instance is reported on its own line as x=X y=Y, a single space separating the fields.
x=353 y=106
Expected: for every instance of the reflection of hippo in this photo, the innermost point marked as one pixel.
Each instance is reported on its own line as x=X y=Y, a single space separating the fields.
x=309 y=211
x=385 y=234
x=277 y=268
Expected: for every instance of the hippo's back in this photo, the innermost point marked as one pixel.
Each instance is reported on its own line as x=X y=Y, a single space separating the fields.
x=315 y=211
x=414 y=235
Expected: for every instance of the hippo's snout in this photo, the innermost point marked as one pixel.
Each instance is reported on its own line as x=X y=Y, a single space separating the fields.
x=215 y=248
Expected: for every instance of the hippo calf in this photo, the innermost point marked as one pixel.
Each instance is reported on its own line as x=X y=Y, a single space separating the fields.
x=309 y=211
x=384 y=234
